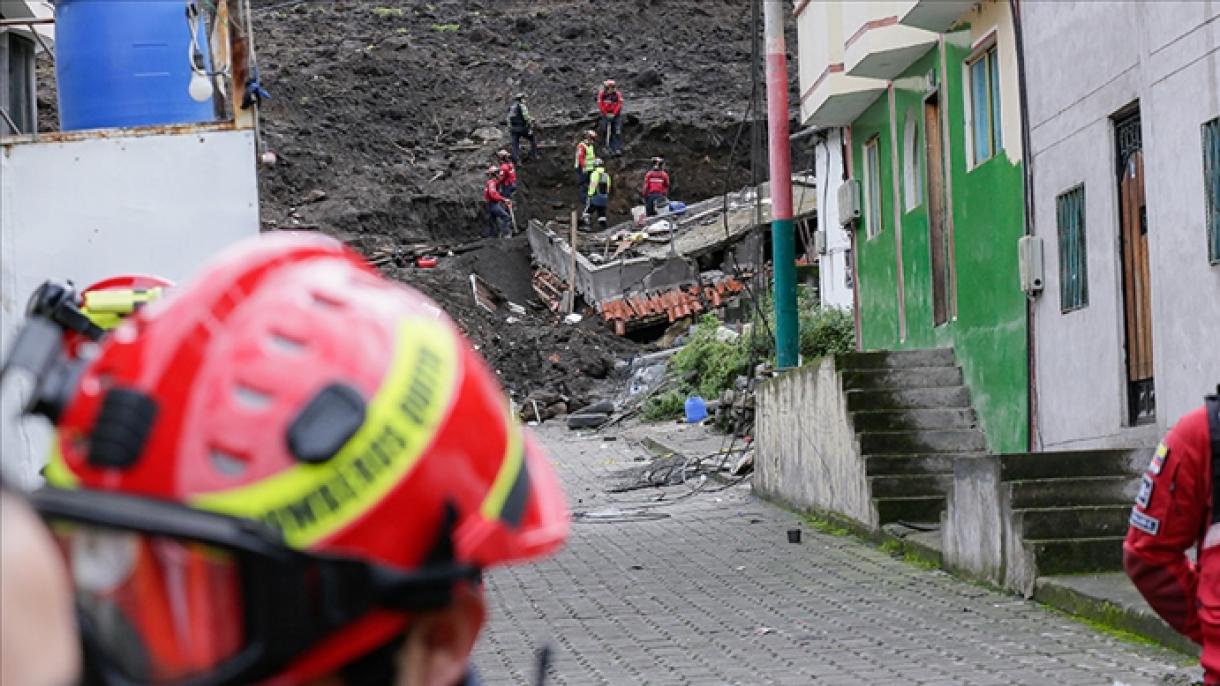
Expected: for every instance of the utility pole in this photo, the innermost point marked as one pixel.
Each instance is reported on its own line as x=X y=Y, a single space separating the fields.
x=783 y=240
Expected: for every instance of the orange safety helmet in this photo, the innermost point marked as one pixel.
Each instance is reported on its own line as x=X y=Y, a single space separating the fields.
x=260 y=477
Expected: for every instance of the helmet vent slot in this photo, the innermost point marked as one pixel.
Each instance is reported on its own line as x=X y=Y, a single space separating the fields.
x=325 y=300
x=227 y=463
x=251 y=398
x=286 y=344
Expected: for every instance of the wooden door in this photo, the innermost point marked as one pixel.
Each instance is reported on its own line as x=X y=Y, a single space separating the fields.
x=937 y=245
x=1137 y=282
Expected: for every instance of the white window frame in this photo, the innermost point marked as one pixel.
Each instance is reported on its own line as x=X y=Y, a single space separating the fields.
x=912 y=162
x=873 y=223
x=979 y=51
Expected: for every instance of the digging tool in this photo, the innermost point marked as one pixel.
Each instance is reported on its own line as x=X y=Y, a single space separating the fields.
x=512 y=214
x=609 y=127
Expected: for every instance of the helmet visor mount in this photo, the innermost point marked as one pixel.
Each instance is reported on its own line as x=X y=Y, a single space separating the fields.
x=171 y=595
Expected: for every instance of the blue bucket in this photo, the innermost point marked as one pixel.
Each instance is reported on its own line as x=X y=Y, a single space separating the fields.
x=696 y=409
x=122 y=63
x=677 y=206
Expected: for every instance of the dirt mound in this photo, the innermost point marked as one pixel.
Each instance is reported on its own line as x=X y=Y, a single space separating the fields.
x=385 y=115
x=386 y=108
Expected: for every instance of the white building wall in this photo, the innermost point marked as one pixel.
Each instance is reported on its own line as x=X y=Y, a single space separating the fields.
x=834 y=278
x=1085 y=61
x=106 y=203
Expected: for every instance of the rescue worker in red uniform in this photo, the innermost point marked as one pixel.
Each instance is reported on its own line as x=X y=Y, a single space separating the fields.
x=499 y=224
x=508 y=173
x=290 y=471
x=610 y=104
x=1178 y=508
x=656 y=186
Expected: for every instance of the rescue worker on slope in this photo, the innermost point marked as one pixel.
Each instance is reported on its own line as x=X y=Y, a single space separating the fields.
x=499 y=223
x=585 y=161
x=598 y=193
x=1178 y=508
x=521 y=125
x=508 y=173
x=610 y=104
x=656 y=186
x=275 y=477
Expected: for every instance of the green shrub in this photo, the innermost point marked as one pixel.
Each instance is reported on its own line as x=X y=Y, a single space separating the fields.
x=667 y=405
x=383 y=12
x=826 y=331
x=446 y=28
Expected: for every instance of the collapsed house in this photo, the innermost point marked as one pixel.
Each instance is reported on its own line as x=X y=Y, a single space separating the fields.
x=653 y=271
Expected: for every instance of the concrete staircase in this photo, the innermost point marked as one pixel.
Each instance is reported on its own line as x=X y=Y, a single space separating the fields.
x=1068 y=510
x=911 y=415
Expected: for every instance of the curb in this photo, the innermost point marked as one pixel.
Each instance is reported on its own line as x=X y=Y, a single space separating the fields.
x=1140 y=621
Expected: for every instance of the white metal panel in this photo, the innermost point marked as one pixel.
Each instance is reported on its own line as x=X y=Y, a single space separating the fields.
x=105 y=204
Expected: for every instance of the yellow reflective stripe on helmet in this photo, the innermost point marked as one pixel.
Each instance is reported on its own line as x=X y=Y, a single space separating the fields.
x=57 y=473
x=312 y=501
x=510 y=467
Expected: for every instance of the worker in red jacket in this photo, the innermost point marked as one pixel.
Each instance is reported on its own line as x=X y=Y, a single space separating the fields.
x=610 y=104
x=656 y=186
x=1178 y=508
x=508 y=173
x=498 y=221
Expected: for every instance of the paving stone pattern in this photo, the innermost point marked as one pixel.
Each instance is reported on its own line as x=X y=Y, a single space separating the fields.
x=712 y=593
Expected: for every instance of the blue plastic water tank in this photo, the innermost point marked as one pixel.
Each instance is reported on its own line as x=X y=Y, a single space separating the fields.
x=125 y=63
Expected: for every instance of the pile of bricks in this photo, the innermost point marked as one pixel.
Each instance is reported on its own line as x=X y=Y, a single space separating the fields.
x=640 y=309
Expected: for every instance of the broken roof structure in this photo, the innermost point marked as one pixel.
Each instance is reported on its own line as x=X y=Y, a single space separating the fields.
x=672 y=266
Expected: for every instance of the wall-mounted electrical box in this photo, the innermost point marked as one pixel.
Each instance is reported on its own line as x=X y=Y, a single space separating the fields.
x=849 y=202
x=1029 y=263
x=819 y=242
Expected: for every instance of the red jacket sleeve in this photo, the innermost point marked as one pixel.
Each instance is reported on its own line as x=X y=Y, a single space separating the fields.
x=665 y=178
x=602 y=105
x=1168 y=518
x=491 y=192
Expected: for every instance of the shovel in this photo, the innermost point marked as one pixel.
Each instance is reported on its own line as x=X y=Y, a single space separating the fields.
x=512 y=214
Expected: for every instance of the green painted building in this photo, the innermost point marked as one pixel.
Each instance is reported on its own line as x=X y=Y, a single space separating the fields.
x=938 y=160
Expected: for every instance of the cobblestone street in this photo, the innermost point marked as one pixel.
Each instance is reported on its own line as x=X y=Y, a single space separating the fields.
x=707 y=590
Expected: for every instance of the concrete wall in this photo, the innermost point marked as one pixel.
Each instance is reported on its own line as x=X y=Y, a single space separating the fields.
x=806 y=453
x=599 y=283
x=975 y=520
x=1166 y=56
x=834 y=278
x=98 y=204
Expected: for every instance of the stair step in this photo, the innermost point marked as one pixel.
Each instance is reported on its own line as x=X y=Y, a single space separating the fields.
x=911 y=463
x=1077 y=555
x=900 y=420
x=896 y=359
x=910 y=377
x=903 y=485
x=1050 y=465
x=1062 y=522
x=947 y=440
x=913 y=399
x=1091 y=490
x=920 y=508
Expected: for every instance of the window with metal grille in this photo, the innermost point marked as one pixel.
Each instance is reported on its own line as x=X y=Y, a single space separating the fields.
x=984 y=73
x=1073 y=256
x=1211 y=187
x=872 y=187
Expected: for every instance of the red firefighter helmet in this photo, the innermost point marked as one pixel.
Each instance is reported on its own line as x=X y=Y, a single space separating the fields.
x=87 y=315
x=263 y=475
